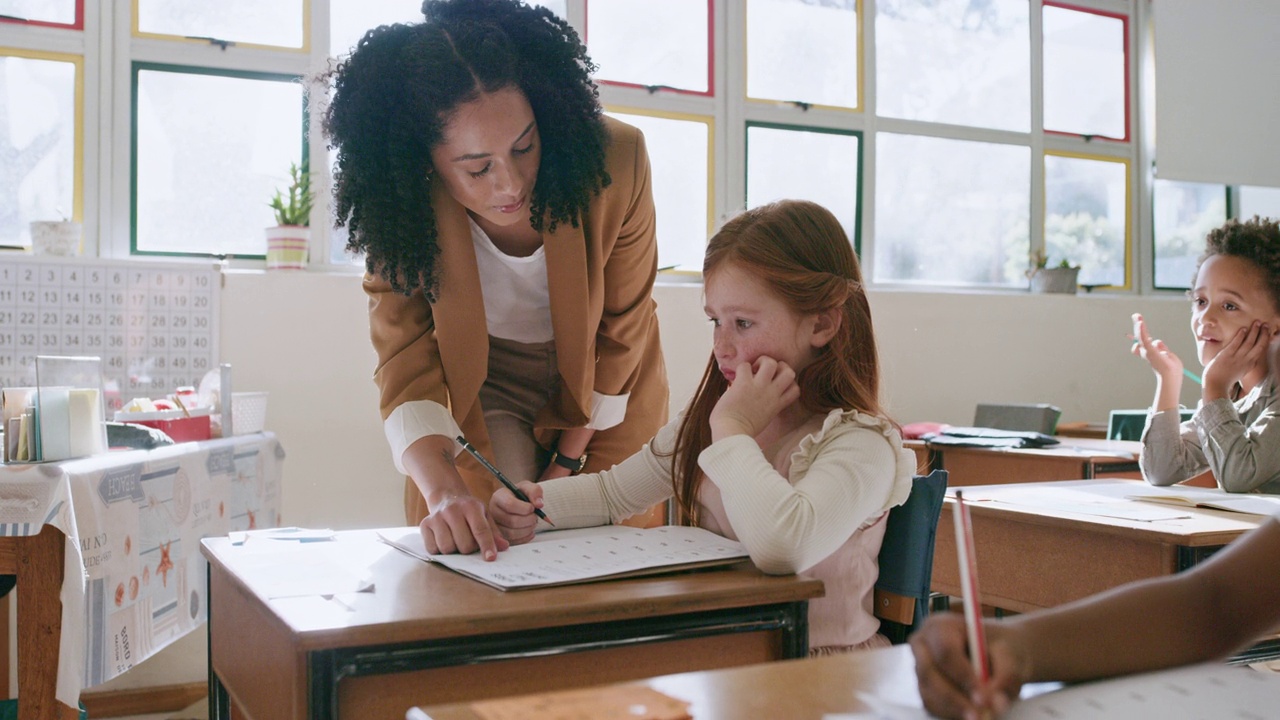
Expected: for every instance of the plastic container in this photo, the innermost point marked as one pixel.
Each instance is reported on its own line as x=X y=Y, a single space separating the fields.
x=173 y=423
x=248 y=412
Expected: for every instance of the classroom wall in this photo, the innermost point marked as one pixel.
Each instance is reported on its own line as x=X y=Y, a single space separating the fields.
x=303 y=337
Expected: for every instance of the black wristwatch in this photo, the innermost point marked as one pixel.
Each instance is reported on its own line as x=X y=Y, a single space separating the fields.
x=573 y=464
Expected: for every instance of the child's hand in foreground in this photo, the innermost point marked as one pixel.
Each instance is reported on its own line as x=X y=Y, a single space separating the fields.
x=514 y=518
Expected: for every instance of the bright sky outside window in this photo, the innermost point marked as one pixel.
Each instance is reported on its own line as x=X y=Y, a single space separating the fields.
x=210 y=152
x=679 y=156
x=1184 y=213
x=1262 y=201
x=954 y=61
x=51 y=11
x=1084 y=73
x=951 y=212
x=259 y=22
x=811 y=165
x=650 y=42
x=38 y=140
x=1086 y=214
x=803 y=51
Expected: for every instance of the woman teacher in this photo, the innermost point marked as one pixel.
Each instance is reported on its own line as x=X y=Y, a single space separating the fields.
x=508 y=230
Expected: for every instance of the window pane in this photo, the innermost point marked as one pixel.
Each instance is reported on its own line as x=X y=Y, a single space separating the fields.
x=210 y=152
x=679 y=155
x=261 y=22
x=1084 y=72
x=954 y=61
x=1086 y=213
x=349 y=20
x=803 y=51
x=1262 y=201
x=37 y=177
x=51 y=11
x=951 y=211
x=807 y=165
x=650 y=42
x=1184 y=213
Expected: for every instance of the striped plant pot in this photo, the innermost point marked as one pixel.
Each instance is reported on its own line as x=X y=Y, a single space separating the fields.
x=287 y=247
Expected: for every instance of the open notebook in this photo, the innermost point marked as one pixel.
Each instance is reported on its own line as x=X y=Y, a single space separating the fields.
x=563 y=557
x=1251 y=503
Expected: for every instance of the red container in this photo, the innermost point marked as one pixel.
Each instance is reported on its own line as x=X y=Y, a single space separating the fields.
x=184 y=429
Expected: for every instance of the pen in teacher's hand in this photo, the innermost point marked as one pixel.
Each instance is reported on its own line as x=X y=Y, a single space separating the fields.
x=501 y=478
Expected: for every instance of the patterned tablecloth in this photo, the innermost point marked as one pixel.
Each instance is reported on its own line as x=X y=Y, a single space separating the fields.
x=134 y=579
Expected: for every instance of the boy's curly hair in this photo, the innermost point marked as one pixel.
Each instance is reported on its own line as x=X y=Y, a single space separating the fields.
x=1256 y=240
x=393 y=95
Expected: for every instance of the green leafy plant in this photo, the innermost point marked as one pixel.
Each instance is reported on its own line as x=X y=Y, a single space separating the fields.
x=294 y=206
x=1040 y=261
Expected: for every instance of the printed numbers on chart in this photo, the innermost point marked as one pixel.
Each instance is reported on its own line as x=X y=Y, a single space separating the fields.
x=154 y=327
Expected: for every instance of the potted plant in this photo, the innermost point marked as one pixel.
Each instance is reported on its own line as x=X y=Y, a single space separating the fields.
x=55 y=237
x=289 y=240
x=1060 y=278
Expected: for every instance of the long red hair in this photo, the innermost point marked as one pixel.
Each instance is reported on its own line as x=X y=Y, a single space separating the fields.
x=799 y=250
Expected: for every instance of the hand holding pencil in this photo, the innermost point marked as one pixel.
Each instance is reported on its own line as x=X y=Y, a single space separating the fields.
x=965 y=667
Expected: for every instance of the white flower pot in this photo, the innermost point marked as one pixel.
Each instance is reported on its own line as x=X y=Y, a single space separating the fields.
x=287 y=247
x=1055 y=280
x=55 y=237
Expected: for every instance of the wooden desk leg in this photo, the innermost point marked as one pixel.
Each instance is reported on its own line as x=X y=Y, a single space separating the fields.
x=40 y=568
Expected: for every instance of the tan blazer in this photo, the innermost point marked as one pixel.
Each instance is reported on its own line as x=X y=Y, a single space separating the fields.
x=601 y=278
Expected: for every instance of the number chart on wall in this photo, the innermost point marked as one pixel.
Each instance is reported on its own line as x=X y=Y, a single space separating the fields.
x=154 y=326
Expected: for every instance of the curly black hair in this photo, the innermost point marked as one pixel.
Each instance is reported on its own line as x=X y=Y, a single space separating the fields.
x=1256 y=240
x=393 y=95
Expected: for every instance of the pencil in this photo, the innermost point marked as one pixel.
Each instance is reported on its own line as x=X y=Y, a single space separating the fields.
x=969 y=589
x=501 y=478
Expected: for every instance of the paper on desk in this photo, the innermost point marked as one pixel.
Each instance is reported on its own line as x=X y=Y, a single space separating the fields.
x=584 y=554
x=626 y=702
x=1249 y=503
x=1060 y=499
x=296 y=534
x=1196 y=691
x=283 y=570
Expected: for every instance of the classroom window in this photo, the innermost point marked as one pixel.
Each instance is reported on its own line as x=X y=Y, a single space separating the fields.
x=1263 y=201
x=1184 y=213
x=38 y=108
x=982 y=238
x=680 y=160
x=1087 y=216
x=1085 y=71
x=205 y=167
x=349 y=20
x=278 y=23
x=803 y=52
x=818 y=165
x=955 y=62
x=50 y=12
x=651 y=43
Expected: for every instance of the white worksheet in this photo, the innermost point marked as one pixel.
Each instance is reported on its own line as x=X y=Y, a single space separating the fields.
x=571 y=556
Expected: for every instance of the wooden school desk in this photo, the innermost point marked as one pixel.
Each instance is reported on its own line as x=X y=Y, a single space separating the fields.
x=427 y=635
x=1036 y=547
x=809 y=689
x=1073 y=459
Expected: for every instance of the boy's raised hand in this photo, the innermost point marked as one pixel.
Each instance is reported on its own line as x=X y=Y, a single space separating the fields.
x=513 y=517
x=1162 y=360
x=759 y=391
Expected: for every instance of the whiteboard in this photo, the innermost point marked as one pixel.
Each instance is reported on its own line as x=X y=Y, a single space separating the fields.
x=154 y=326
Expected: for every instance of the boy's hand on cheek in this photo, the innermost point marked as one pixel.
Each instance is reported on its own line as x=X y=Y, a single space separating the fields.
x=754 y=399
x=1242 y=353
